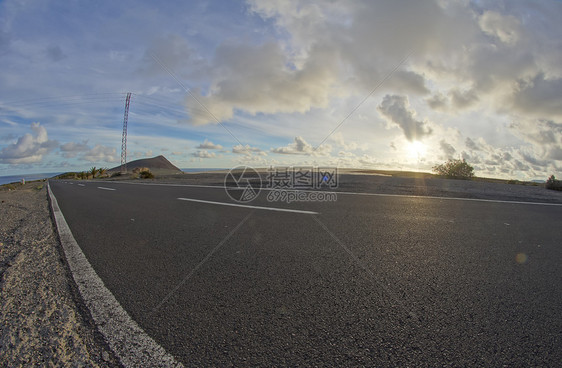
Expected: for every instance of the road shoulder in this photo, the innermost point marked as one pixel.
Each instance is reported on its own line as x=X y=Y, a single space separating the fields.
x=43 y=321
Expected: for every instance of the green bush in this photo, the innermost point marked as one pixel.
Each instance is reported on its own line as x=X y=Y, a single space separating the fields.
x=552 y=183
x=455 y=169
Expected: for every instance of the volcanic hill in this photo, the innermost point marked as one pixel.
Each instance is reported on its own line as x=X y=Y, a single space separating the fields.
x=158 y=165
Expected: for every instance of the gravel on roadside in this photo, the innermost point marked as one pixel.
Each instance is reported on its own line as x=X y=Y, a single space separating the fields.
x=42 y=320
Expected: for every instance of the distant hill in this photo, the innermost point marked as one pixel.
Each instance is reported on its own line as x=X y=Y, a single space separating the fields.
x=158 y=165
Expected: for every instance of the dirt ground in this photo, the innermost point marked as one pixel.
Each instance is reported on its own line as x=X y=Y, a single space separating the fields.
x=42 y=321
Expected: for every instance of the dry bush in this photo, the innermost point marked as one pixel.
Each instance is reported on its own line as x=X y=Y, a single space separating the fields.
x=455 y=169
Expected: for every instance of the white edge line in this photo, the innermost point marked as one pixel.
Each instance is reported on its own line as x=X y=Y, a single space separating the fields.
x=248 y=206
x=360 y=194
x=104 y=188
x=130 y=343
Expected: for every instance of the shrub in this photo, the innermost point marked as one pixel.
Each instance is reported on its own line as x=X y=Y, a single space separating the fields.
x=552 y=183
x=146 y=174
x=8 y=187
x=455 y=169
x=68 y=175
x=115 y=174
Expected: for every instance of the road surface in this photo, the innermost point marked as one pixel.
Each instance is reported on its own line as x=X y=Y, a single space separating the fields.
x=365 y=280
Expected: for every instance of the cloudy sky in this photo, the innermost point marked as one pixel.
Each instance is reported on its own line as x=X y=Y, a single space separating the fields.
x=368 y=84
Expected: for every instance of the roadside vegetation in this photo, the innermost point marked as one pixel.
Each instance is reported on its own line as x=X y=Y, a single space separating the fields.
x=146 y=174
x=553 y=183
x=455 y=169
x=9 y=187
x=93 y=172
x=83 y=175
x=97 y=173
x=32 y=184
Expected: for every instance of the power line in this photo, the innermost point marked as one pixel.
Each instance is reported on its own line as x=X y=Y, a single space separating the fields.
x=46 y=105
x=180 y=109
x=46 y=100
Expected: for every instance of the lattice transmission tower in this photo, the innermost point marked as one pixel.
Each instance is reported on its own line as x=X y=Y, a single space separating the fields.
x=124 y=138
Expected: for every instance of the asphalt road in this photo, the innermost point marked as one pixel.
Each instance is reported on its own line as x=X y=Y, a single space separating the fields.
x=368 y=280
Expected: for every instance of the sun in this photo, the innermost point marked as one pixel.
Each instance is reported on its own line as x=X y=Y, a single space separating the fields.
x=416 y=149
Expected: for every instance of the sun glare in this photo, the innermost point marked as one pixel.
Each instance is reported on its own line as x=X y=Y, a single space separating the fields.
x=416 y=149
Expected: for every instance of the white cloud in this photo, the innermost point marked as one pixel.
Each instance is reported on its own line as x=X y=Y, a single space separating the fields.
x=29 y=148
x=438 y=102
x=368 y=161
x=541 y=132
x=257 y=79
x=101 y=154
x=338 y=139
x=505 y=27
x=545 y=137
x=206 y=145
x=472 y=145
x=447 y=149
x=333 y=50
x=507 y=161
x=397 y=110
x=302 y=147
x=72 y=149
x=204 y=154
x=555 y=153
x=455 y=100
x=97 y=154
x=539 y=97
x=463 y=99
x=247 y=150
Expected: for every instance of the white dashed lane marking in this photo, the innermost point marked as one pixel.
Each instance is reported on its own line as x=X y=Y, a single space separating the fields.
x=248 y=206
x=104 y=188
